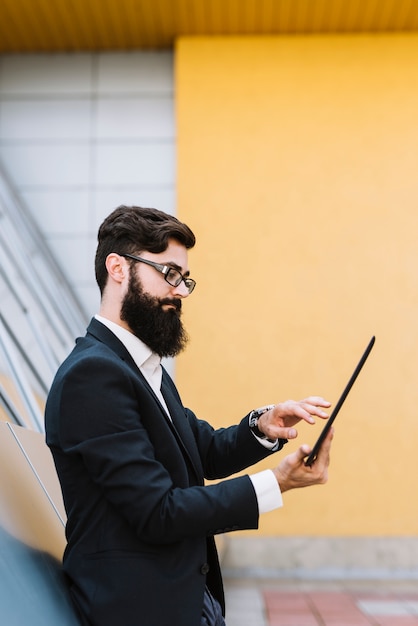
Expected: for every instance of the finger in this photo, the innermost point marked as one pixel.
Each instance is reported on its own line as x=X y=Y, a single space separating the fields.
x=282 y=433
x=299 y=410
x=326 y=445
x=317 y=401
x=303 y=451
x=323 y=456
x=291 y=433
x=314 y=410
x=307 y=412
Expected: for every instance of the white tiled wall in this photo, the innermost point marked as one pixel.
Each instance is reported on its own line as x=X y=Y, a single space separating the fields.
x=81 y=134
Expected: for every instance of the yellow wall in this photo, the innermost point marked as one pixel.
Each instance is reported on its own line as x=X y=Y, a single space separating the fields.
x=298 y=171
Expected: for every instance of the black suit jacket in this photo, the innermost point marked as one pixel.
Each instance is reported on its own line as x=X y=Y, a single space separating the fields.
x=140 y=520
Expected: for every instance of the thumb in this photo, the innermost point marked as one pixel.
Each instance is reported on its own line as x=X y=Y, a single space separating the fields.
x=291 y=433
x=303 y=451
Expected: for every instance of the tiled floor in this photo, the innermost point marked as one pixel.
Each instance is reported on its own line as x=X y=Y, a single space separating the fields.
x=278 y=603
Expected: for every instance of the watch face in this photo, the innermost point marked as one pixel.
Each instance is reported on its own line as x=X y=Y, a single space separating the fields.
x=253 y=419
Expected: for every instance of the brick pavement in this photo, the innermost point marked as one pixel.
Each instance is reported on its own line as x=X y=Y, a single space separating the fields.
x=278 y=603
x=340 y=608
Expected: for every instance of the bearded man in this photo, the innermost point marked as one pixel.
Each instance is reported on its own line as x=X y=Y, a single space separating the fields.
x=132 y=460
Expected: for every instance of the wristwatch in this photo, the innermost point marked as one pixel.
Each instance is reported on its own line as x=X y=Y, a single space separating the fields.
x=253 y=422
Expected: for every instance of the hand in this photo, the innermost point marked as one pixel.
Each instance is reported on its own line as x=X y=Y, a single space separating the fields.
x=292 y=473
x=277 y=423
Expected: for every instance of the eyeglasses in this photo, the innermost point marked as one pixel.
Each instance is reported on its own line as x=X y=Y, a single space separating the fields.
x=171 y=275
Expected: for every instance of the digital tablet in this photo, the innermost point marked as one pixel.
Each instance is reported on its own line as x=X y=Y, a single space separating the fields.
x=311 y=458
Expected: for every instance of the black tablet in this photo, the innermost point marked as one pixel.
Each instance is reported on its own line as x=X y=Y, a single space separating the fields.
x=311 y=458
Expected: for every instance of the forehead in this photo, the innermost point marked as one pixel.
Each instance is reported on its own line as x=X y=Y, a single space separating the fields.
x=175 y=254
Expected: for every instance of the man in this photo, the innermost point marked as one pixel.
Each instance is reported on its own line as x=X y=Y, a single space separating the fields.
x=132 y=460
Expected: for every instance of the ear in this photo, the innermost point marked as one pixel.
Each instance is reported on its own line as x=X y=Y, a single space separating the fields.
x=117 y=267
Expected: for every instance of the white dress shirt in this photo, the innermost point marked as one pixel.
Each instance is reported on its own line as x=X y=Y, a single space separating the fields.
x=265 y=484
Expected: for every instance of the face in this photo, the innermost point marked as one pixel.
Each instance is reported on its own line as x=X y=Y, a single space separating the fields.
x=151 y=307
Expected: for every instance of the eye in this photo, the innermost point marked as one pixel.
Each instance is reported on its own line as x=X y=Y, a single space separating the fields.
x=174 y=277
x=190 y=284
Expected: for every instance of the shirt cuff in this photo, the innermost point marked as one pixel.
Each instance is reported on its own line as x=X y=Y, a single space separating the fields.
x=270 y=445
x=267 y=491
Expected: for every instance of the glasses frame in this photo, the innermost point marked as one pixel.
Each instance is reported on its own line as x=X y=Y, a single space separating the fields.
x=165 y=271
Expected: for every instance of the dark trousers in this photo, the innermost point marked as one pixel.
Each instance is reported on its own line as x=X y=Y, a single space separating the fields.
x=211 y=614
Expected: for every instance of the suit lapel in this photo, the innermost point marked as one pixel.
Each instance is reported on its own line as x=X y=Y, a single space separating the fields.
x=182 y=427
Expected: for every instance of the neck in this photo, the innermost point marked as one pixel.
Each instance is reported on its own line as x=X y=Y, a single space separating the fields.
x=113 y=315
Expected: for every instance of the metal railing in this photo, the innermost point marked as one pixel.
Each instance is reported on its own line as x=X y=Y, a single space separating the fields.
x=39 y=313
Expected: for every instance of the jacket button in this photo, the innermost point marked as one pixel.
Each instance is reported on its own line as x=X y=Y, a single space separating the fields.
x=205 y=569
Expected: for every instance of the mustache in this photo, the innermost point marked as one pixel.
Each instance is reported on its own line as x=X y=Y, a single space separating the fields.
x=176 y=302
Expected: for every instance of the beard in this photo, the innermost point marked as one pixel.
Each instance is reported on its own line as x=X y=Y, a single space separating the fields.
x=161 y=330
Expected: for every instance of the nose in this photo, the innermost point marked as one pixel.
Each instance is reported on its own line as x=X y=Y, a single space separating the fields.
x=181 y=290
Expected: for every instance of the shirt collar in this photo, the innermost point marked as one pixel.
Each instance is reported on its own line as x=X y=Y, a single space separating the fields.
x=139 y=351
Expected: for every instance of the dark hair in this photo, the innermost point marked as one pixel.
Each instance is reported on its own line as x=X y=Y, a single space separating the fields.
x=134 y=229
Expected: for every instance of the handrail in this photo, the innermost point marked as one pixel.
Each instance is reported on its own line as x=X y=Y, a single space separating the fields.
x=10 y=407
x=25 y=357
x=20 y=380
x=57 y=289
x=39 y=314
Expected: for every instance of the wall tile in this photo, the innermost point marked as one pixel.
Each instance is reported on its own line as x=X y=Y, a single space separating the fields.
x=80 y=251
x=134 y=118
x=89 y=295
x=137 y=164
x=46 y=74
x=136 y=72
x=105 y=200
x=60 y=212
x=81 y=134
x=40 y=164
x=39 y=119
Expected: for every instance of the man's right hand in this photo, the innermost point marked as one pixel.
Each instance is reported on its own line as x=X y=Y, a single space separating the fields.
x=292 y=473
